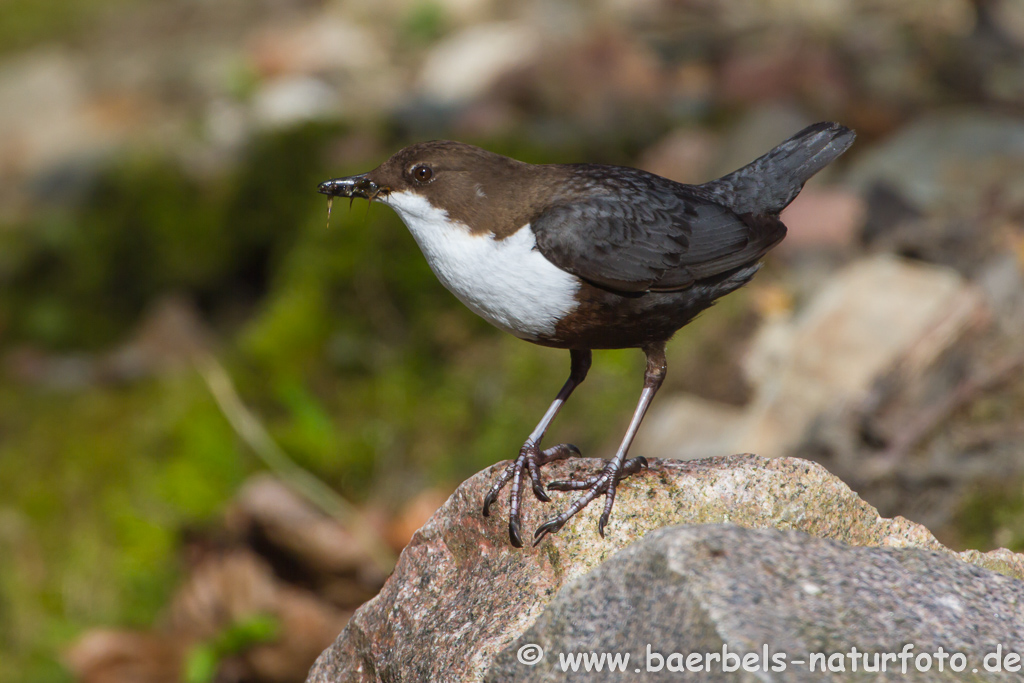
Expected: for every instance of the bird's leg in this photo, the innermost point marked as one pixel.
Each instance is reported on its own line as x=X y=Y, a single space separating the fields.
x=532 y=458
x=618 y=468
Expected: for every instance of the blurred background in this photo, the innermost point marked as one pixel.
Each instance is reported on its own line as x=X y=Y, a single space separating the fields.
x=220 y=420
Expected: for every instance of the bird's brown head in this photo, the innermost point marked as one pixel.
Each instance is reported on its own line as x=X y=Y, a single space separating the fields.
x=475 y=187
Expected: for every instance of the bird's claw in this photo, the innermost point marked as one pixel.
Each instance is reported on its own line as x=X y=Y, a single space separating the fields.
x=531 y=459
x=549 y=527
x=630 y=467
x=602 y=523
x=606 y=482
x=515 y=535
x=489 y=500
x=538 y=490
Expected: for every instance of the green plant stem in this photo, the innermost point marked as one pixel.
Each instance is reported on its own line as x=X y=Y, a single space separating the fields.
x=303 y=482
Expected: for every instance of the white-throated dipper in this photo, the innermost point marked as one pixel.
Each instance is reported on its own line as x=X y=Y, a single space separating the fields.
x=586 y=256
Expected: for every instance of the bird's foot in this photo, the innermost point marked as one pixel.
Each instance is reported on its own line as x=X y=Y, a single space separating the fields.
x=531 y=458
x=606 y=482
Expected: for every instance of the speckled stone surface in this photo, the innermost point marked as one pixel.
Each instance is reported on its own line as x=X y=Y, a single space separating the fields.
x=460 y=593
x=717 y=587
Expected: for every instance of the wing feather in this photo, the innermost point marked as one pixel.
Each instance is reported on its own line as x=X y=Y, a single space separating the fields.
x=650 y=233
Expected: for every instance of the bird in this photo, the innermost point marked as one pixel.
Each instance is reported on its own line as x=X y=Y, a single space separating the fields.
x=586 y=257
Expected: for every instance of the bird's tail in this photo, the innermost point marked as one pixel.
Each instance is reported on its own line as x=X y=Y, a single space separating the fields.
x=768 y=184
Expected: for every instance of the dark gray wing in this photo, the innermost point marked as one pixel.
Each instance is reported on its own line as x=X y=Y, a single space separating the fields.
x=664 y=238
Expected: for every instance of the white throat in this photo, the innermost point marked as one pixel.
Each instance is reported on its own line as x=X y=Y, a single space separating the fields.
x=507 y=282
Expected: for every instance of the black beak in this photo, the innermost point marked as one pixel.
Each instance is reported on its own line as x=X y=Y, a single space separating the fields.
x=352 y=186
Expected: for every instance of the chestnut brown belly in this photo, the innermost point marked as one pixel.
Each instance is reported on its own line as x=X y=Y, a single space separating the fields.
x=608 y=320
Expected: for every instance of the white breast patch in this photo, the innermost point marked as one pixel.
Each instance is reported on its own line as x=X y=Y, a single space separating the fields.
x=507 y=282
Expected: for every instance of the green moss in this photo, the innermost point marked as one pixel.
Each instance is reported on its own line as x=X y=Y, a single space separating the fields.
x=28 y=22
x=992 y=516
x=105 y=482
x=79 y=279
x=424 y=22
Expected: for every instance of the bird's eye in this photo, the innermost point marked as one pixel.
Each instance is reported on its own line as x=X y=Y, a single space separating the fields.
x=422 y=173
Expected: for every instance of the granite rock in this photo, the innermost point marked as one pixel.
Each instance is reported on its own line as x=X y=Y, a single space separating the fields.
x=461 y=594
x=774 y=605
